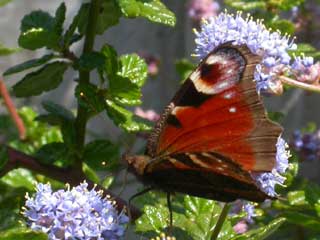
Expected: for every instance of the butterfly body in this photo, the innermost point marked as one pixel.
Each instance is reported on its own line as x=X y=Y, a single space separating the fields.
x=213 y=134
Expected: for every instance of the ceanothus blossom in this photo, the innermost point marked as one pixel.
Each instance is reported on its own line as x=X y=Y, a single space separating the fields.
x=202 y=9
x=271 y=46
x=78 y=213
x=306 y=145
x=305 y=70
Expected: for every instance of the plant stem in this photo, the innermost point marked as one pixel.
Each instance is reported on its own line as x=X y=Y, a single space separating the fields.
x=17 y=159
x=221 y=219
x=12 y=110
x=297 y=84
x=84 y=75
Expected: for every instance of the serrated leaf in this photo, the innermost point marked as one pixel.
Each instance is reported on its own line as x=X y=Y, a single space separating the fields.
x=262 y=232
x=4 y=51
x=101 y=155
x=195 y=218
x=153 y=10
x=90 y=97
x=22 y=234
x=124 y=118
x=60 y=17
x=29 y=64
x=134 y=68
x=47 y=78
x=38 y=30
x=55 y=153
x=90 y=61
x=124 y=92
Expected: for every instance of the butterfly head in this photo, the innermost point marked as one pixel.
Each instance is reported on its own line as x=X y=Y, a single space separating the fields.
x=137 y=162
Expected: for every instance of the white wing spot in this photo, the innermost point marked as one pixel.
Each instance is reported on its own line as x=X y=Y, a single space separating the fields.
x=228 y=95
x=220 y=169
x=232 y=109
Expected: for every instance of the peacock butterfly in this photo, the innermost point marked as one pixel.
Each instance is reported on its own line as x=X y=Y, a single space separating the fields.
x=214 y=133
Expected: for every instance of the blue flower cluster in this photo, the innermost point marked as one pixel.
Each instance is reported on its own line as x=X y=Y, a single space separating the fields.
x=307 y=145
x=78 y=213
x=268 y=180
x=271 y=46
x=305 y=70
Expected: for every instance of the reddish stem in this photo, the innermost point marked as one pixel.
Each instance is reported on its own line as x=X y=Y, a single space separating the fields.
x=17 y=159
x=12 y=110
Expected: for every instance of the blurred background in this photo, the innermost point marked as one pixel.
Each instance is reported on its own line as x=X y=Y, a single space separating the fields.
x=162 y=46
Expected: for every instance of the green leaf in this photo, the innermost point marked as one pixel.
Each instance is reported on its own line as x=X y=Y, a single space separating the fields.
x=55 y=153
x=90 y=61
x=101 y=155
x=246 y=5
x=90 y=97
x=3 y=156
x=109 y=15
x=68 y=36
x=312 y=193
x=19 y=178
x=22 y=234
x=58 y=110
x=302 y=219
x=124 y=92
x=38 y=30
x=45 y=79
x=90 y=173
x=29 y=64
x=60 y=16
x=184 y=68
x=193 y=218
x=297 y=198
x=4 y=51
x=153 y=10
x=134 y=68
x=124 y=118
x=111 y=57
x=284 y=26
x=4 y=2
x=262 y=232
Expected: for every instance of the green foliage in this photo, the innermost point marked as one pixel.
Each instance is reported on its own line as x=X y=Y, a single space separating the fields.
x=101 y=155
x=4 y=2
x=29 y=64
x=22 y=234
x=45 y=79
x=184 y=68
x=193 y=218
x=153 y=10
x=125 y=119
x=4 y=51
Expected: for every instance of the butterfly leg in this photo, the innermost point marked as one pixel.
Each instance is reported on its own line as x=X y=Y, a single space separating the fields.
x=134 y=196
x=170 y=211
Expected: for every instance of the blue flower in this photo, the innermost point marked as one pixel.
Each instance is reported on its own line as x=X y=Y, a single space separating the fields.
x=304 y=70
x=249 y=209
x=268 y=180
x=306 y=145
x=271 y=46
x=78 y=213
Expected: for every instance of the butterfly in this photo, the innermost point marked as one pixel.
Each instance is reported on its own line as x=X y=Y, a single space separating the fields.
x=213 y=134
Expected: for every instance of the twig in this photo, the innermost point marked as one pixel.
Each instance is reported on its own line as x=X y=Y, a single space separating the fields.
x=17 y=159
x=12 y=110
x=222 y=217
x=297 y=84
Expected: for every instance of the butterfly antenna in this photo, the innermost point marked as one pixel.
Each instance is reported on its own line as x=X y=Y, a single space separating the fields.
x=144 y=191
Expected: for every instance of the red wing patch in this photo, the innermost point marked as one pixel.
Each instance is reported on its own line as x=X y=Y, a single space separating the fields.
x=218 y=110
